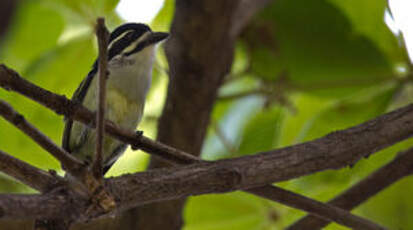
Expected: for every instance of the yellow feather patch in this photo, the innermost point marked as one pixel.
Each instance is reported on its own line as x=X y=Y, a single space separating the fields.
x=120 y=107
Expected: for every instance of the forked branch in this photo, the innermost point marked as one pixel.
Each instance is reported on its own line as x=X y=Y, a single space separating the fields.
x=68 y=161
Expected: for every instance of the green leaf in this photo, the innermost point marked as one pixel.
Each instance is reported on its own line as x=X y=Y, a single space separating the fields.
x=392 y=207
x=352 y=111
x=164 y=17
x=261 y=133
x=91 y=7
x=228 y=211
x=230 y=116
x=329 y=117
x=318 y=48
x=233 y=117
x=81 y=15
x=60 y=71
x=241 y=62
x=366 y=17
x=110 y=5
x=294 y=124
x=36 y=30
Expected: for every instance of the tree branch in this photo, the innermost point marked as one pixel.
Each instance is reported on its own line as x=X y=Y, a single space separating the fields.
x=173 y=183
x=287 y=157
x=103 y=38
x=38 y=206
x=400 y=167
x=323 y=211
x=68 y=161
x=10 y=80
x=291 y=199
x=27 y=174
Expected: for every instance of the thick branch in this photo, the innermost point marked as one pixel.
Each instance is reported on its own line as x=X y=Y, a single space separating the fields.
x=103 y=38
x=27 y=174
x=68 y=161
x=224 y=175
x=173 y=183
x=400 y=167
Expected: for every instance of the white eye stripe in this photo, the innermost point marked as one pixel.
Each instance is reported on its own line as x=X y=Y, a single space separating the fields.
x=130 y=47
x=118 y=38
x=133 y=45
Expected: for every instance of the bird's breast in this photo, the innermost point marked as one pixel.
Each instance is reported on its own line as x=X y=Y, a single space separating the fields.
x=123 y=110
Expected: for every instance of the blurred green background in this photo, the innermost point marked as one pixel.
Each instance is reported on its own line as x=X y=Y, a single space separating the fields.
x=302 y=69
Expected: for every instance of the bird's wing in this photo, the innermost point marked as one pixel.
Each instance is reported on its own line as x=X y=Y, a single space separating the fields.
x=78 y=97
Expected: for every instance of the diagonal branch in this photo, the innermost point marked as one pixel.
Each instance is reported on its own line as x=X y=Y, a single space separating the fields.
x=27 y=174
x=323 y=211
x=293 y=200
x=10 y=80
x=68 y=161
x=103 y=38
x=400 y=167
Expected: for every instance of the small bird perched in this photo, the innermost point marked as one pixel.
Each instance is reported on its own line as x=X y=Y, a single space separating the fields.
x=131 y=52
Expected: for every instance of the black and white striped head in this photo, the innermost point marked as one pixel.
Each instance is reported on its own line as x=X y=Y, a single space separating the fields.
x=130 y=38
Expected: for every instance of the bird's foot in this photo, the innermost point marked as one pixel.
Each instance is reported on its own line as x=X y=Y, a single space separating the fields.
x=138 y=134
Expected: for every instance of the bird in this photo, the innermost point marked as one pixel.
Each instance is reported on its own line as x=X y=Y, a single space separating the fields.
x=131 y=54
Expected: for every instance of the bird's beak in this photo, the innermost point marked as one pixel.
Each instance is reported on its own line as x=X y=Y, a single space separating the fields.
x=155 y=37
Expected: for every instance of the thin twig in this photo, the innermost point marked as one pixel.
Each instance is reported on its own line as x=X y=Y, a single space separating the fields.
x=400 y=167
x=103 y=38
x=36 y=178
x=68 y=161
x=324 y=211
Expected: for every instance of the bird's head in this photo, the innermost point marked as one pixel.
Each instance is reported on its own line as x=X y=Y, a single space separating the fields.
x=131 y=38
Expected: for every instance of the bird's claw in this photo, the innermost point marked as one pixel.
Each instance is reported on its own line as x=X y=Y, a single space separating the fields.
x=138 y=134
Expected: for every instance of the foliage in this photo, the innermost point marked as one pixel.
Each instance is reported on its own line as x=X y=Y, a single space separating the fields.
x=302 y=69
